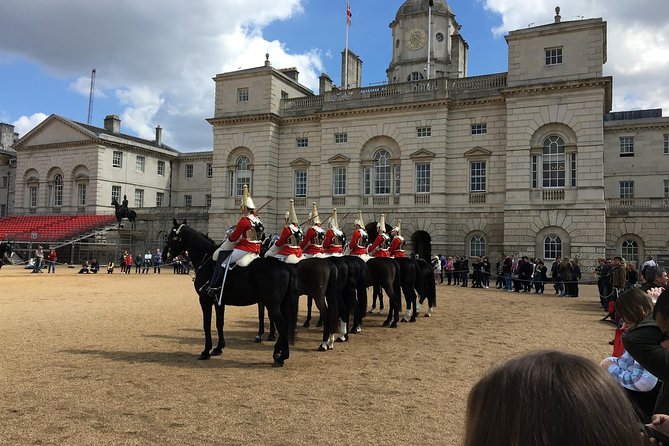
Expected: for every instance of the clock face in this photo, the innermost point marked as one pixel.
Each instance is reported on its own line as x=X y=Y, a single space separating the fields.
x=416 y=39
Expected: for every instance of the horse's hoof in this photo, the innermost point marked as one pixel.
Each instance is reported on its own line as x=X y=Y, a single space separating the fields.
x=386 y=323
x=319 y=324
x=356 y=329
x=393 y=325
x=271 y=338
x=370 y=311
x=413 y=319
x=427 y=315
x=277 y=364
x=323 y=348
x=404 y=320
x=341 y=338
x=203 y=356
x=306 y=324
x=217 y=352
x=258 y=339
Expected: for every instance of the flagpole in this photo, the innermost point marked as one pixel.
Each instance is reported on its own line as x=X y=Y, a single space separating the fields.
x=348 y=22
x=429 y=37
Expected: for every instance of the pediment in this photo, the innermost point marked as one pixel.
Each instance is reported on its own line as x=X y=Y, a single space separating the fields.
x=81 y=177
x=32 y=180
x=300 y=162
x=339 y=159
x=422 y=154
x=478 y=152
x=55 y=130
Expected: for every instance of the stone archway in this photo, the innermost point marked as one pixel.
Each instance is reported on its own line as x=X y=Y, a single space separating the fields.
x=421 y=244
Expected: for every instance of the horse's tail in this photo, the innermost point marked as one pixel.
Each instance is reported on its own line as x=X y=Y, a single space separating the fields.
x=397 y=285
x=333 y=296
x=290 y=305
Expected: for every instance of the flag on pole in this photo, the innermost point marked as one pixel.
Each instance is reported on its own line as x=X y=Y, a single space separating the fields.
x=431 y=3
x=348 y=13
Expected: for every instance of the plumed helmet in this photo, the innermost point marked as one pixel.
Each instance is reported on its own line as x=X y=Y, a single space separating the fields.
x=334 y=221
x=314 y=219
x=359 y=221
x=398 y=229
x=381 y=225
x=291 y=215
x=247 y=201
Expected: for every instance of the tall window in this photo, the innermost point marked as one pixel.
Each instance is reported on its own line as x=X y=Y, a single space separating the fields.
x=423 y=132
x=367 y=181
x=58 y=190
x=300 y=183
x=210 y=170
x=552 y=247
x=32 y=196
x=534 y=173
x=553 y=56
x=3 y=210
x=207 y=200
x=477 y=246
x=188 y=200
x=572 y=162
x=630 y=251
x=116 y=194
x=666 y=188
x=139 y=163
x=81 y=194
x=339 y=181
x=477 y=176
x=423 y=177
x=666 y=144
x=5 y=183
x=480 y=129
x=381 y=172
x=117 y=159
x=243 y=174
x=160 y=197
x=189 y=171
x=139 y=198
x=161 y=168
x=243 y=94
x=553 y=171
x=627 y=146
x=627 y=189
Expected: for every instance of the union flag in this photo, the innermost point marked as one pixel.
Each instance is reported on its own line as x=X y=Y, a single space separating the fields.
x=348 y=13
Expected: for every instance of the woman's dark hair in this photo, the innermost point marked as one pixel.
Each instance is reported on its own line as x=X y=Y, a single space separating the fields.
x=662 y=305
x=550 y=399
x=634 y=306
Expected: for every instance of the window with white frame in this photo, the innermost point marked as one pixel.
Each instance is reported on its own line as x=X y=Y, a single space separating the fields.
x=339 y=181
x=81 y=194
x=4 y=183
x=189 y=171
x=552 y=247
x=666 y=188
x=553 y=56
x=396 y=179
x=666 y=144
x=415 y=76
x=553 y=162
x=300 y=183
x=341 y=138
x=242 y=175
x=367 y=180
x=423 y=132
x=188 y=200
x=533 y=171
x=572 y=171
x=629 y=250
x=210 y=170
x=627 y=189
x=117 y=159
x=626 y=145
x=382 y=172
x=477 y=246
x=160 y=198
x=139 y=198
x=302 y=143
x=207 y=200
x=477 y=176
x=139 y=163
x=160 y=170
x=243 y=94
x=284 y=94
x=116 y=194
x=423 y=178
x=58 y=190
x=32 y=196
x=480 y=128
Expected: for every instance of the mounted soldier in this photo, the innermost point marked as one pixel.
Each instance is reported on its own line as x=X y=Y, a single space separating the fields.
x=240 y=248
x=287 y=247
x=397 y=241
x=358 y=244
x=312 y=244
x=334 y=237
x=124 y=205
x=380 y=246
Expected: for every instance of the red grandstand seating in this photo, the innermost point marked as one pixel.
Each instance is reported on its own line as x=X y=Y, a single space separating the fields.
x=50 y=227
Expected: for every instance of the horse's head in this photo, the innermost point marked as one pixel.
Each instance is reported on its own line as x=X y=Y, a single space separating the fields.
x=114 y=202
x=174 y=240
x=266 y=243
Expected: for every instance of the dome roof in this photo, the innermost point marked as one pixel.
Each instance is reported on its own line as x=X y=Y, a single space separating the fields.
x=416 y=6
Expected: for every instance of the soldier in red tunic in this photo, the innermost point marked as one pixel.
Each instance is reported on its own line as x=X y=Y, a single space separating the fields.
x=397 y=241
x=287 y=248
x=380 y=246
x=332 y=244
x=312 y=244
x=358 y=244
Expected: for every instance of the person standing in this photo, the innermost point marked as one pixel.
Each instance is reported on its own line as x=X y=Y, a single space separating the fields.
x=147 y=262
x=442 y=259
x=39 y=260
x=507 y=268
x=464 y=265
x=449 y=269
x=157 y=261
x=51 y=261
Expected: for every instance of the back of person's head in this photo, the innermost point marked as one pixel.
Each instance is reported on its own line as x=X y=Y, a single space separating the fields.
x=634 y=306
x=662 y=305
x=551 y=399
x=652 y=273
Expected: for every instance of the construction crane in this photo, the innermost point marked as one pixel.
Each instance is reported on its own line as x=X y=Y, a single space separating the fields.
x=90 y=98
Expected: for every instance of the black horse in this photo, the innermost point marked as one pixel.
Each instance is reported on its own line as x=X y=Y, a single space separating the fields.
x=417 y=278
x=122 y=213
x=5 y=252
x=266 y=280
x=425 y=286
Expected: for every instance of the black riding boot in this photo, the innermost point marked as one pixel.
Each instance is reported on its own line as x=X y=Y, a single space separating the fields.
x=213 y=287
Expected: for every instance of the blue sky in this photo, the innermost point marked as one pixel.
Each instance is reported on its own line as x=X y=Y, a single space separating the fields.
x=155 y=58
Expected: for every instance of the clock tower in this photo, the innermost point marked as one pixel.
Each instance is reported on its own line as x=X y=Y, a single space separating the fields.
x=414 y=34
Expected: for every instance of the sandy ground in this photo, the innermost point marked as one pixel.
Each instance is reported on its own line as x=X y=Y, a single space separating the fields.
x=111 y=359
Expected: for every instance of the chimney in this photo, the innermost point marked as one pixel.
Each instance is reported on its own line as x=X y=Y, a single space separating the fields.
x=113 y=123
x=159 y=136
x=325 y=84
x=291 y=73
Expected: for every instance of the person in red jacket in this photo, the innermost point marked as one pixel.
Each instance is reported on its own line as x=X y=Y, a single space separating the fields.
x=358 y=244
x=244 y=240
x=380 y=246
x=286 y=248
x=312 y=244
x=397 y=241
x=332 y=244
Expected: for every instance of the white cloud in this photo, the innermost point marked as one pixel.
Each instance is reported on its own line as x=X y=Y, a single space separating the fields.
x=637 y=43
x=26 y=123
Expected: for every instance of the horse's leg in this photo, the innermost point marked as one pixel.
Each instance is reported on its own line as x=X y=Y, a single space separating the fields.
x=272 y=329
x=390 y=303
x=205 y=304
x=220 y=318
x=261 y=322
x=280 y=353
x=348 y=304
x=374 y=292
x=323 y=310
x=307 y=322
x=361 y=309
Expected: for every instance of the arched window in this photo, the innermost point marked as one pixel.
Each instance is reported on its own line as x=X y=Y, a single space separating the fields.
x=415 y=76
x=58 y=190
x=242 y=174
x=629 y=250
x=477 y=246
x=553 y=162
x=381 y=172
x=552 y=247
